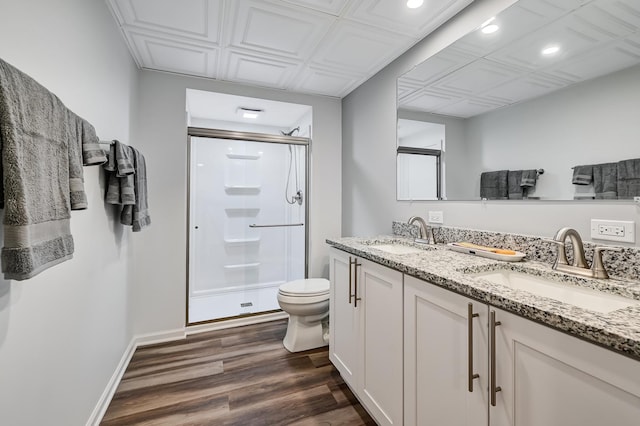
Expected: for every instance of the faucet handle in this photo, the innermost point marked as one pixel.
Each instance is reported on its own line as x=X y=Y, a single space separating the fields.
x=597 y=266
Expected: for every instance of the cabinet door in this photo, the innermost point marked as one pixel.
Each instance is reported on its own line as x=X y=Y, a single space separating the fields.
x=380 y=311
x=343 y=319
x=553 y=379
x=437 y=356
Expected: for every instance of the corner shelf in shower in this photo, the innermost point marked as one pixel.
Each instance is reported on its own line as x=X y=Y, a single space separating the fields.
x=241 y=241
x=243 y=156
x=242 y=189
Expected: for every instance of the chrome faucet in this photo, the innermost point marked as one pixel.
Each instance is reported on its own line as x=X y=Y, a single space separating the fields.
x=579 y=265
x=426 y=232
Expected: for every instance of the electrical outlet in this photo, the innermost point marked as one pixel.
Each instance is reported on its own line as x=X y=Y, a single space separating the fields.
x=436 y=217
x=613 y=230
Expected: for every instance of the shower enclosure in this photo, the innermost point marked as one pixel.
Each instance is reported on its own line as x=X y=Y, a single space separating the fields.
x=247 y=221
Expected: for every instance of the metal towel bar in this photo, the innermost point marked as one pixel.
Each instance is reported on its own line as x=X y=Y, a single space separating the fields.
x=253 y=225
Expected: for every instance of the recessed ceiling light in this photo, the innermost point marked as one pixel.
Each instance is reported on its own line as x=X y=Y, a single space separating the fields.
x=489 y=29
x=413 y=4
x=250 y=113
x=550 y=50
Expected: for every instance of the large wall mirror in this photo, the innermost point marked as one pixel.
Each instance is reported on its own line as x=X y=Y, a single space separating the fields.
x=547 y=90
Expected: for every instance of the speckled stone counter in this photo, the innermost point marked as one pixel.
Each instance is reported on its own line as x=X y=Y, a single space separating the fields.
x=618 y=330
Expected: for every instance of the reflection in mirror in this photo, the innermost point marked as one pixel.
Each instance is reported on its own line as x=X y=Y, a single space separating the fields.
x=419 y=161
x=553 y=87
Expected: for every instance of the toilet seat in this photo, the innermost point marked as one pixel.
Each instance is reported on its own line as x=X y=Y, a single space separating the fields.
x=309 y=287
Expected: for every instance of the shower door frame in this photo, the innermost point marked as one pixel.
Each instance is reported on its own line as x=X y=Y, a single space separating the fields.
x=202 y=132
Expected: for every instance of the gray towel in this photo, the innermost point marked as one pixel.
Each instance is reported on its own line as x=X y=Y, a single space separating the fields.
x=34 y=131
x=629 y=178
x=84 y=149
x=494 y=185
x=529 y=178
x=514 y=180
x=583 y=175
x=605 y=181
x=120 y=165
x=137 y=215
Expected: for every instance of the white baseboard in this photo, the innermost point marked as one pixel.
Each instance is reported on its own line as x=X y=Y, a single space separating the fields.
x=235 y=322
x=161 y=337
x=112 y=385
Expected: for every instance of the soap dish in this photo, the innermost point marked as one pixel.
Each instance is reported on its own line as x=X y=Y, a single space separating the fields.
x=488 y=254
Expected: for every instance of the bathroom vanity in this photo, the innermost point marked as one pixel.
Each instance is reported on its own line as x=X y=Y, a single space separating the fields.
x=423 y=337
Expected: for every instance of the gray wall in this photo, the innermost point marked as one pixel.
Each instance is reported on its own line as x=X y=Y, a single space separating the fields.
x=63 y=332
x=160 y=251
x=369 y=126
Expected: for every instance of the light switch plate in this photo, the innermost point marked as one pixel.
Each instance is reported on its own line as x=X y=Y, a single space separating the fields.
x=613 y=230
x=436 y=217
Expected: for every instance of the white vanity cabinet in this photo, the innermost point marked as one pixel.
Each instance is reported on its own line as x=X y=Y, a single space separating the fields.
x=545 y=377
x=365 y=341
x=445 y=357
x=550 y=378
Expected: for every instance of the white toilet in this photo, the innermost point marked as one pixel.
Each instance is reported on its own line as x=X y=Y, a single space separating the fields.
x=307 y=303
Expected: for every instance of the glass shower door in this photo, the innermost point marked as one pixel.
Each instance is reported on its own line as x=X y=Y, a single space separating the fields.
x=247 y=225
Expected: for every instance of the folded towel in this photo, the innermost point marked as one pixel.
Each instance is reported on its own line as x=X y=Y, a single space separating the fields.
x=137 y=215
x=629 y=178
x=529 y=178
x=583 y=175
x=494 y=185
x=120 y=165
x=514 y=179
x=605 y=181
x=84 y=149
x=34 y=131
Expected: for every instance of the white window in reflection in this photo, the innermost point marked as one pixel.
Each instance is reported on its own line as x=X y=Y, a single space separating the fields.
x=420 y=160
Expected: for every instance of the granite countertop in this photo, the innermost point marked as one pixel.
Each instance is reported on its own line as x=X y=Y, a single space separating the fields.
x=618 y=330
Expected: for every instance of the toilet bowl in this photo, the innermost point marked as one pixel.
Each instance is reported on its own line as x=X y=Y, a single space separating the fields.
x=307 y=303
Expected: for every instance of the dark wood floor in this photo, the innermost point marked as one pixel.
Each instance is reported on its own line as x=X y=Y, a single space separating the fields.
x=241 y=376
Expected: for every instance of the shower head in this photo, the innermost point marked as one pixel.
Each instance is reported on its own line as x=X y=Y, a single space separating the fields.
x=297 y=129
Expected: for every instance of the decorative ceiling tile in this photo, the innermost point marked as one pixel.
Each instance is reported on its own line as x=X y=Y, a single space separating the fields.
x=199 y=19
x=394 y=15
x=521 y=89
x=273 y=29
x=475 y=78
x=168 y=55
x=406 y=89
x=359 y=48
x=332 y=7
x=439 y=65
x=260 y=70
x=468 y=108
x=428 y=100
x=597 y=63
x=515 y=22
x=326 y=82
x=572 y=34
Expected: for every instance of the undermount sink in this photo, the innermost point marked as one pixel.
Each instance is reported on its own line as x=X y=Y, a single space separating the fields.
x=581 y=297
x=397 y=248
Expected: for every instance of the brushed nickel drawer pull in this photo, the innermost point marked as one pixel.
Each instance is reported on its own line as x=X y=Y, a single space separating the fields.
x=492 y=336
x=351 y=263
x=470 y=317
x=355 y=283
